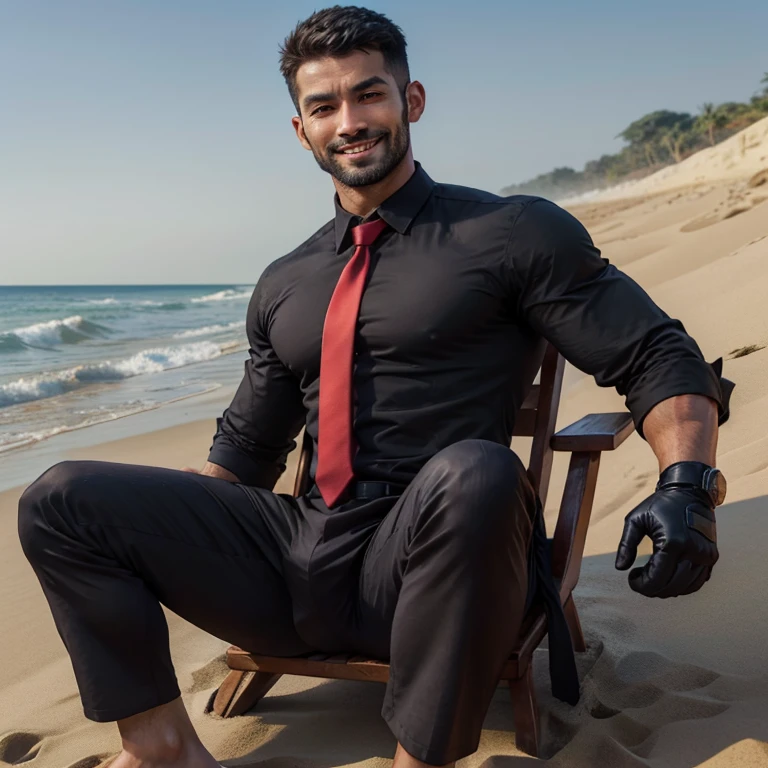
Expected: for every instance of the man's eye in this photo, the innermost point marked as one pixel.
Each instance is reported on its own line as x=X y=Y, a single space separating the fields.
x=318 y=110
x=370 y=93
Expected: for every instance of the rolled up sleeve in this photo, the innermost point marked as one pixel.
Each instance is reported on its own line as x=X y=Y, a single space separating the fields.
x=600 y=319
x=256 y=433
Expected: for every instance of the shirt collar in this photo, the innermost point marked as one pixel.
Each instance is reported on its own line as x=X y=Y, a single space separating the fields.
x=398 y=210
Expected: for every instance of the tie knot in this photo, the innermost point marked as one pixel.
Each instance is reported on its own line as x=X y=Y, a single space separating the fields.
x=366 y=234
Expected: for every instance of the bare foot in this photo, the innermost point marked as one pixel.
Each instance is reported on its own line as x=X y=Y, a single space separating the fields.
x=405 y=760
x=162 y=737
x=197 y=758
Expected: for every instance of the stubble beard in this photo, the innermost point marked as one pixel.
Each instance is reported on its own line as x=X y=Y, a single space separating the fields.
x=397 y=146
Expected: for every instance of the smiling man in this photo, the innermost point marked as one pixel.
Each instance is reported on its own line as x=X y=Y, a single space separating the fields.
x=404 y=335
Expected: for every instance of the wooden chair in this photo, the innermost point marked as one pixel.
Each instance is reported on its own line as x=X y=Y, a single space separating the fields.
x=252 y=675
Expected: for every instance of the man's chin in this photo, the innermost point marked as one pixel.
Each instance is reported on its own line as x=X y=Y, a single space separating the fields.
x=361 y=175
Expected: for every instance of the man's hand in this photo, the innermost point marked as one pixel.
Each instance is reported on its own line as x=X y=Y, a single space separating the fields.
x=213 y=470
x=681 y=524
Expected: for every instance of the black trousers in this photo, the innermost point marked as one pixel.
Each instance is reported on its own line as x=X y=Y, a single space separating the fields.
x=434 y=581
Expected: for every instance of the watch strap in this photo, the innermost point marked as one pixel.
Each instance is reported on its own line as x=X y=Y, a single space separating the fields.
x=694 y=474
x=684 y=473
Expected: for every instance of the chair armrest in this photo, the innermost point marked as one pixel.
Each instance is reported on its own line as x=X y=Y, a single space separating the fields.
x=596 y=432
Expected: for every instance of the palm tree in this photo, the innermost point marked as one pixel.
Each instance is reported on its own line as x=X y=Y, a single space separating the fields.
x=708 y=121
x=673 y=138
x=764 y=82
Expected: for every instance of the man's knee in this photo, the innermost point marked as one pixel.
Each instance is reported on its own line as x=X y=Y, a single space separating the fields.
x=481 y=485
x=479 y=469
x=43 y=501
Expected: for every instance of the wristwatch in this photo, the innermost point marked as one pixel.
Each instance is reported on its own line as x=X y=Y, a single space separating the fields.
x=696 y=474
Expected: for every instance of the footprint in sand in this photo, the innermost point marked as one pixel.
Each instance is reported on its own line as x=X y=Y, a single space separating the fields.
x=734 y=206
x=642 y=692
x=19 y=747
x=759 y=179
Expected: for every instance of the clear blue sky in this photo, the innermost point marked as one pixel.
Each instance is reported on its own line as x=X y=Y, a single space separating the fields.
x=150 y=142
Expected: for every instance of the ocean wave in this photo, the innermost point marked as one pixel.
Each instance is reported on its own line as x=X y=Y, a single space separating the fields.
x=228 y=295
x=10 y=342
x=132 y=303
x=13 y=440
x=46 y=385
x=208 y=329
x=163 y=305
x=70 y=330
x=103 y=302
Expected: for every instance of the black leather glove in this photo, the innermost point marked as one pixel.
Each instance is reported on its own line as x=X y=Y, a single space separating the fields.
x=681 y=523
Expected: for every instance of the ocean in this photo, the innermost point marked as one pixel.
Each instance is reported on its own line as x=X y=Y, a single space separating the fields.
x=75 y=356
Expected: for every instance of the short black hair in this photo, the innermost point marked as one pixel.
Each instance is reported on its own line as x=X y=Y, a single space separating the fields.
x=338 y=31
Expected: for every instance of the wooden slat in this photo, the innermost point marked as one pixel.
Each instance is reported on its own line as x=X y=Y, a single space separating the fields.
x=596 y=432
x=540 y=464
x=369 y=670
x=240 y=691
x=573 y=520
x=301 y=483
x=527 y=724
x=574 y=626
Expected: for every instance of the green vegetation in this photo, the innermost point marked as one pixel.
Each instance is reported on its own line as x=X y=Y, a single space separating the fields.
x=654 y=141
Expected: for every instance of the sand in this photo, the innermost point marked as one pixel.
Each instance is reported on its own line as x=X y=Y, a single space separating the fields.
x=740 y=156
x=681 y=682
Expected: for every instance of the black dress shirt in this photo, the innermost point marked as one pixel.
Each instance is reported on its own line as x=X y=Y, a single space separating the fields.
x=463 y=289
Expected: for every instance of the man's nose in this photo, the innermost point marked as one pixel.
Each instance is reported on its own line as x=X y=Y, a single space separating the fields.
x=351 y=120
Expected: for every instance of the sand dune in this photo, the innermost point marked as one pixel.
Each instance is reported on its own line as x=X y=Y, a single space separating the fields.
x=740 y=156
x=668 y=684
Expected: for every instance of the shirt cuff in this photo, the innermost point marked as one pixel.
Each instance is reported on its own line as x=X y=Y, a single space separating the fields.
x=248 y=471
x=683 y=377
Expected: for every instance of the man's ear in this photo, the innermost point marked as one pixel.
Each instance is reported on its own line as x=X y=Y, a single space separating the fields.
x=298 y=126
x=416 y=98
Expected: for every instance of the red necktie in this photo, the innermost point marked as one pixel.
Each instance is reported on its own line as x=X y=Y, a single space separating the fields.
x=335 y=442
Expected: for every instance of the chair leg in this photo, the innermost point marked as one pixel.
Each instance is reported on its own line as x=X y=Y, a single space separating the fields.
x=526 y=713
x=574 y=625
x=240 y=691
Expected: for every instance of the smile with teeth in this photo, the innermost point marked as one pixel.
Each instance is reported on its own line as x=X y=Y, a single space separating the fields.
x=358 y=148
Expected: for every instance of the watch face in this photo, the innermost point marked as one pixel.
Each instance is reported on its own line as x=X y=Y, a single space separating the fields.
x=717 y=486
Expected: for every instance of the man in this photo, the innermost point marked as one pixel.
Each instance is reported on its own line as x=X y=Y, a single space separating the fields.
x=405 y=334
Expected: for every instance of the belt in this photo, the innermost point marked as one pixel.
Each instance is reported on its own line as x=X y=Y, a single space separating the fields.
x=373 y=489
x=367 y=490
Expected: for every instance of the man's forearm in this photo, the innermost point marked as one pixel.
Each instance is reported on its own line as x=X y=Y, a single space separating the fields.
x=214 y=470
x=683 y=428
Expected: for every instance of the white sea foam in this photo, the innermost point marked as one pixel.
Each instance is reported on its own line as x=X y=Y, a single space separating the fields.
x=19 y=439
x=70 y=330
x=46 y=385
x=208 y=329
x=104 y=302
x=226 y=295
x=13 y=440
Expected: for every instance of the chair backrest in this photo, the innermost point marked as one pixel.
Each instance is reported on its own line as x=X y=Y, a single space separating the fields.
x=536 y=418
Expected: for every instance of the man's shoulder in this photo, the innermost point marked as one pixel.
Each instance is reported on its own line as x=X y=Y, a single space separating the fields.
x=509 y=205
x=285 y=270
x=320 y=241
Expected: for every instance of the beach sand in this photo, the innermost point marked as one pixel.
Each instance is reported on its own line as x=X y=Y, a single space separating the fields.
x=675 y=683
